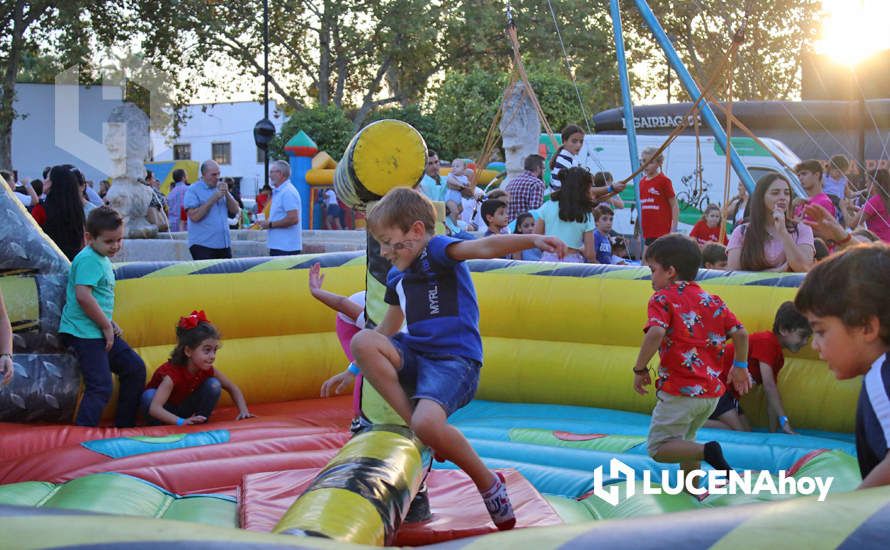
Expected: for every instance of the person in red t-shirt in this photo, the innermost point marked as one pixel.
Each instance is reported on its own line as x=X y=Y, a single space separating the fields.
x=659 y=213
x=185 y=389
x=707 y=229
x=688 y=327
x=791 y=330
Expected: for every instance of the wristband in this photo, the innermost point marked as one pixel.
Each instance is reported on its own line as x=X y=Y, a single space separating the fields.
x=180 y=421
x=846 y=239
x=610 y=189
x=783 y=420
x=6 y=355
x=270 y=225
x=740 y=364
x=352 y=369
x=641 y=371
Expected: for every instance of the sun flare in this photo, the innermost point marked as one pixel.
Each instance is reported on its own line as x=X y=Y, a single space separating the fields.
x=853 y=30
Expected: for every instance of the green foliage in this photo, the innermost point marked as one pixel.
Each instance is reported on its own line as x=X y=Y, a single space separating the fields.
x=557 y=97
x=778 y=32
x=465 y=107
x=467 y=103
x=424 y=123
x=328 y=127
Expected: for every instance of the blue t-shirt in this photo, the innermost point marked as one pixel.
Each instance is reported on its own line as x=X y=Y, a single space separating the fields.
x=532 y=254
x=213 y=229
x=92 y=269
x=603 y=247
x=873 y=416
x=438 y=299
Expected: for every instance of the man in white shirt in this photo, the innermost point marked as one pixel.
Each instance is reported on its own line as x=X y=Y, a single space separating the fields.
x=285 y=232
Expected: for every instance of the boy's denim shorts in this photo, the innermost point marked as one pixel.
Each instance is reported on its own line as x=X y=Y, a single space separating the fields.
x=449 y=380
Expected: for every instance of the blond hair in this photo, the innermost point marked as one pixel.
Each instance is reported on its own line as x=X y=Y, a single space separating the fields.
x=400 y=208
x=649 y=153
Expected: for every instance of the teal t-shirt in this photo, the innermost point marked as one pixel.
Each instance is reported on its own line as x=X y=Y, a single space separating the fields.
x=89 y=268
x=571 y=233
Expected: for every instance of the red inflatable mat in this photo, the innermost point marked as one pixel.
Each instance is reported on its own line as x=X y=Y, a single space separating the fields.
x=457 y=508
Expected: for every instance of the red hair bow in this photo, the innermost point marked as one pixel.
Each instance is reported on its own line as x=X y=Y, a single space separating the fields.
x=192 y=320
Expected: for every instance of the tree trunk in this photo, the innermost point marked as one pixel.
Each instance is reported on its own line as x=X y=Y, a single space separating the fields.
x=324 y=58
x=7 y=89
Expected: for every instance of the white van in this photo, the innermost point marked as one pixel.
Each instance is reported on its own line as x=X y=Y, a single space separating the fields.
x=608 y=152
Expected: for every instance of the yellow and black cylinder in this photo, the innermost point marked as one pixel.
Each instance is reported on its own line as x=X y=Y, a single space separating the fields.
x=363 y=494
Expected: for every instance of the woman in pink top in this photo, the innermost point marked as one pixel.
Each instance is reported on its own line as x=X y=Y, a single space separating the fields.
x=876 y=211
x=771 y=240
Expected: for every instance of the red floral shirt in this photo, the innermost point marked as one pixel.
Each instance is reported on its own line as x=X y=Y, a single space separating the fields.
x=696 y=325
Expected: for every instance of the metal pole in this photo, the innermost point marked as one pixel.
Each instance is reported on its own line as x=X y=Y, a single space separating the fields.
x=692 y=88
x=628 y=110
x=266 y=83
x=861 y=142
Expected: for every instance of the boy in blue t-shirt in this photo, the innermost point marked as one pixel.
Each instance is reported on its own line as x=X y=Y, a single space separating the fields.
x=429 y=286
x=845 y=299
x=87 y=328
x=602 y=242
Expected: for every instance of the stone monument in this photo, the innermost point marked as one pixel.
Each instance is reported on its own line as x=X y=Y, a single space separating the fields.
x=126 y=136
x=520 y=128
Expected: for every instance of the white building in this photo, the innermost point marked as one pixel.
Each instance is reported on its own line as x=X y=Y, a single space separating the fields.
x=222 y=132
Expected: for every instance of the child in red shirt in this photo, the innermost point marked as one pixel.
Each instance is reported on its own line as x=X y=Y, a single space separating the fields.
x=185 y=389
x=791 y=330
x=688 y=327
x=659 y=213
x=707 y=229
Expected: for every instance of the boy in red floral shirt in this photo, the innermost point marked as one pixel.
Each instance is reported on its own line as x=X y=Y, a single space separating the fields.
x=689 y=328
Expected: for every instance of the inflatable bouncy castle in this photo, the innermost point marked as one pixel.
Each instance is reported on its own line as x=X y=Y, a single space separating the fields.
x=554 y=408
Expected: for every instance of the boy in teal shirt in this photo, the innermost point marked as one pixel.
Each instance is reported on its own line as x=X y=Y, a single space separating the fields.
x=86 y=326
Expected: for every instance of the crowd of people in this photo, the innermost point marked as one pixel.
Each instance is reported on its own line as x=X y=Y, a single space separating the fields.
x=206 y=209
x=842 y=303
x=770 y=230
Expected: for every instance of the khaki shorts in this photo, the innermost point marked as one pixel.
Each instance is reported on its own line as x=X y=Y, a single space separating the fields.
x=677 y=417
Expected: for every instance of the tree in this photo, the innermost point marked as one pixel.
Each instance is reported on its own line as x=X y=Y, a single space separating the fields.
x=325 y=52
x=328 y=127
x=71 y=30
x=465 y=107
x=467 y=103
x=474 y=38
x=768 y=62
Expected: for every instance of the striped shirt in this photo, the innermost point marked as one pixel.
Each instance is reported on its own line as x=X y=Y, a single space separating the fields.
x=564 y=159
x=873 y=416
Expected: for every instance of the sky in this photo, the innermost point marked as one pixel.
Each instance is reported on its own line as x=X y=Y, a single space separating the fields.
x=854 y=30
